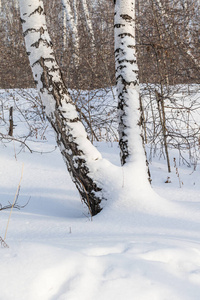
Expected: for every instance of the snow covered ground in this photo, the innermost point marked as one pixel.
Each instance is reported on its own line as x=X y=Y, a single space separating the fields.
x=142 y=247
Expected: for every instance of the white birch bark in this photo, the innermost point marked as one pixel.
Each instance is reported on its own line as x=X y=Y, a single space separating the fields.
x=79 y=154
x=72 y=22
x=88 y=22
x=16 y=3
x=84 y=162
x=188 y=36
x=74 y=4
x=130 y=139
x=64 y=35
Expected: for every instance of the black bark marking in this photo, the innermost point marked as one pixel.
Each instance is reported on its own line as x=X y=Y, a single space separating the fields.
x=45 y=42
x=122 y=35
x=126 y=17
x=130 y=61
x=38 y=10
x=76 y=164
x=126 y=83
x=42 y=30
x=41 y=61
x=119 y=25
x=22 y=20
x=131 y=46
x=31 y=30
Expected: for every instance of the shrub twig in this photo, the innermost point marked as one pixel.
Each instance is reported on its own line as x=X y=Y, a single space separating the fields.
x=15 y=199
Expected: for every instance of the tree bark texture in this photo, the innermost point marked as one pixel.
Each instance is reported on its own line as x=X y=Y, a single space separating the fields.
x=88 y=22
x=72 y=22
x=77 y=151
x=130 y=140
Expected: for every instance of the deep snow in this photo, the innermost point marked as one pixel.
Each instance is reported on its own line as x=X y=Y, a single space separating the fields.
x=142 y=246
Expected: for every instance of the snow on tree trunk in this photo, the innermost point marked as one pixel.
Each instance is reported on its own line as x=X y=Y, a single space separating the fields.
x=79 y=154
x=130 y=140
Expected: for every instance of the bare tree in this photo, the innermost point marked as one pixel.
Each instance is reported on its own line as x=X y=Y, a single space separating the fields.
x=78 y=153
x=168 y=56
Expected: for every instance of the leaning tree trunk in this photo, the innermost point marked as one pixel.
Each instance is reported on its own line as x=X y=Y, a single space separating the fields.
x=130 y=140
x=77 y=151
x=79 y=154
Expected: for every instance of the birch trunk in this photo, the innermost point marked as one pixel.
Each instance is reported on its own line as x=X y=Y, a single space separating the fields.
x=79 y=154
x=88 y=22
x=130 y=140
x=16 y=3
x=72 y=22
x=64 y=34
x=84 y=162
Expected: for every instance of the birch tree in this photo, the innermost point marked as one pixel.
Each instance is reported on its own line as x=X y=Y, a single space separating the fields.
x=71 y=20
x=127 y=78
x=72 y=23
x=88 y=22
x=78 y=153
x=83 y=160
